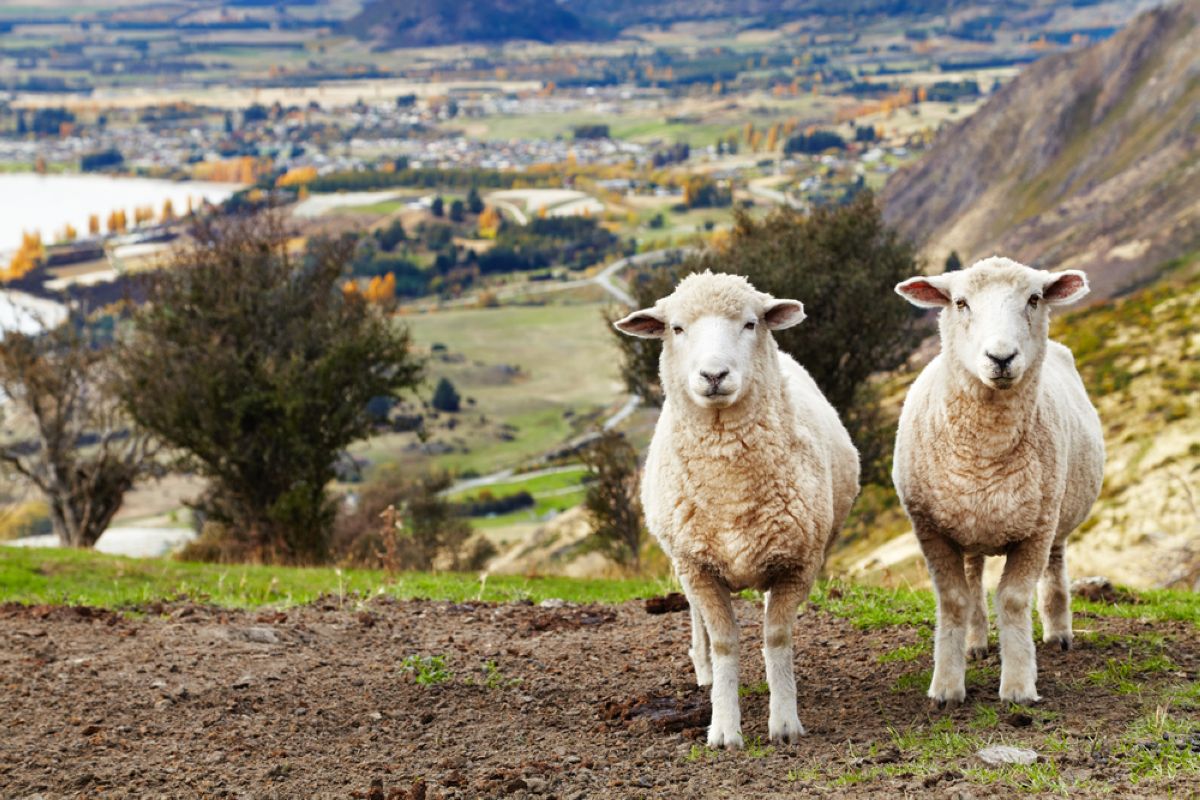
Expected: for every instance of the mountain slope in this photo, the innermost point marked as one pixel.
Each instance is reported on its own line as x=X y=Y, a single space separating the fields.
x=422 y=23
x=1088 y=159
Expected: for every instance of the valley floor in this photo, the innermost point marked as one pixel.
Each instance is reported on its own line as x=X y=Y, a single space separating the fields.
x=350 y=699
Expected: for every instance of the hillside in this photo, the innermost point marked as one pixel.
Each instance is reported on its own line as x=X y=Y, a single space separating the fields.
x=421 y=23
x=1087 y=159
x=633 y=12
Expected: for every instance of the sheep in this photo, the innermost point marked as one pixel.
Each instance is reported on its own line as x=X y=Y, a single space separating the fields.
x=748 y=477
x=998 y=451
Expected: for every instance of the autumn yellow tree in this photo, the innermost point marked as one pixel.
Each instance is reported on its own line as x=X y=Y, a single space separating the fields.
x=489 y=223
x=93 y=224
x=773 y=137
x=168 y=211
x=26 y=259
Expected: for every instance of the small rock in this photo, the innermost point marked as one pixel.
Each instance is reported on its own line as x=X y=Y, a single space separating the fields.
x=262 y=635
x=375 y=715
x=159 y=684
x=243 y=682
x=1019 y=720
x=1004 y=754
x=553 y=602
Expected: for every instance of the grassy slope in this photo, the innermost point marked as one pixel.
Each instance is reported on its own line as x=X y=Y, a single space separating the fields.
x=57 y=576
x=567 y=369
x=30 y=575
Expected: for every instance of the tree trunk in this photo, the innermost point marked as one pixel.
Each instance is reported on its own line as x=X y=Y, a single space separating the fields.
x=72 y=522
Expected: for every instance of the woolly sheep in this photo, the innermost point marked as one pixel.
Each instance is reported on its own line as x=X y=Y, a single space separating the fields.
x=999 y=451
x=749 y=475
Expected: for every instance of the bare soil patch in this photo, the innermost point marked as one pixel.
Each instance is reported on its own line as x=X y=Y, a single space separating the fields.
x=554 y=701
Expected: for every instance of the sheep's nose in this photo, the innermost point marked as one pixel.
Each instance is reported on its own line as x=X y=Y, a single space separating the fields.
x=1002 y=362
x=714 y=378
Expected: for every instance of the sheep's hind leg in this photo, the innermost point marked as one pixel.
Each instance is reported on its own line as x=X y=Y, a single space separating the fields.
x=716 y=609
x=945 y=562
x=977 y=610
x=779 y=619
x=700 y=650
x=1054 y=599
x=1018 y=661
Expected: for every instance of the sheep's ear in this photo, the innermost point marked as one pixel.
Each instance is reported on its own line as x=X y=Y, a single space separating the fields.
x=926 y=292
x=645 y=324
x=782 y=314
x=1065 y=287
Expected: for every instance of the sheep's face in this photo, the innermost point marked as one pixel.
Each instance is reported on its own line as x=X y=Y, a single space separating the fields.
x=713 y=333
x=995 y=315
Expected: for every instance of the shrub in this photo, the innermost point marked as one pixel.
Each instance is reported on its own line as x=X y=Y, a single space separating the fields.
x=612 y=502
x=256 y=367
x=446 y=397
x=407 y=525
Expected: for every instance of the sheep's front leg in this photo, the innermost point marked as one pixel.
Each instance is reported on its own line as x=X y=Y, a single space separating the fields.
x=779 y=619
x=1054 y=599
x=977 y=615
x=945 y=562
x=700 y=652
x=1018 y=661
x=716 y=610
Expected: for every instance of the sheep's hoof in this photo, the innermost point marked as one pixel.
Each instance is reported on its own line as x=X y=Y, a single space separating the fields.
x=786 y=731
x=730 y=740
x=944 y=703
x=944 y=694
x=1022 y=697
x=1063 y=641
x=978 y=653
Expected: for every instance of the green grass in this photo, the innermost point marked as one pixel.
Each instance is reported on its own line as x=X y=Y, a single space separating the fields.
x=904 y=653
x=35 y=576
x=1126 y=675
x=872 y=607
x=554 y=492
x=426 y=670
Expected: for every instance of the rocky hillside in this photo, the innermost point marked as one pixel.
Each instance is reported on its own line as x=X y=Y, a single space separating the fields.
x=1088 y=159
x=421 y=23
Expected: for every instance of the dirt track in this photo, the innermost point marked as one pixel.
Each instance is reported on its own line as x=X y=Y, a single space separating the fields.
x=590 y=701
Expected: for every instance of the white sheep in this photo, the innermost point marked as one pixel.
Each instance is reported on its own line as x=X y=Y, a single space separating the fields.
x=999 y=451
x=749 y=476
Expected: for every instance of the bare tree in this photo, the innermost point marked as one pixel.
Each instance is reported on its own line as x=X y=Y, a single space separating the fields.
x=67 y=435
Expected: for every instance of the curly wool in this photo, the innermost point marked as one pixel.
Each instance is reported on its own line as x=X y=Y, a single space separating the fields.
x=752 y=490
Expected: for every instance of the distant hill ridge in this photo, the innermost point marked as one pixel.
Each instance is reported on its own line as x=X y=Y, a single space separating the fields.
x=1087 y=159
x=423 y=23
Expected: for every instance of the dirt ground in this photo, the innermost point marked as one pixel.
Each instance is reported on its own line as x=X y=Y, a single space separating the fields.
x=583 y=702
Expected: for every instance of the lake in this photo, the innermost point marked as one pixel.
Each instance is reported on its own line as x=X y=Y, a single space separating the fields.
x=47 y=203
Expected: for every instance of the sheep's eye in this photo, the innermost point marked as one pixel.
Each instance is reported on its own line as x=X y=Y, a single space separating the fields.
x=961 y=304
x=749 y=326
x=677 y=329
x=1033 y=301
